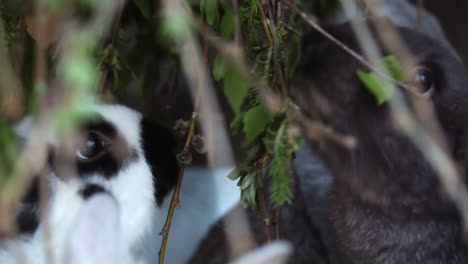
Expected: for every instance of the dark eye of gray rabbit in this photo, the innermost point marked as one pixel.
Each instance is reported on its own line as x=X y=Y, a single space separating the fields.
x=423 y=80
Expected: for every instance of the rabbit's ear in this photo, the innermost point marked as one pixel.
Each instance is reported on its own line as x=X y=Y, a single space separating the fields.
x=273 y=253
x=95 y=237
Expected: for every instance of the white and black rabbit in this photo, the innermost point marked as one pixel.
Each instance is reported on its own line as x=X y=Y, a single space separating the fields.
x=117 y=153
x=133 y=163
x=386 y=202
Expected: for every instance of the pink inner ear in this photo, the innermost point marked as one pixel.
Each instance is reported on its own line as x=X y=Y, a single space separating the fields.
x=95 y=237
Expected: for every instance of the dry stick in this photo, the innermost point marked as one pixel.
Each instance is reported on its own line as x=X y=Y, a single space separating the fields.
x=40 y=83
x=278 y=70
x=211 y=122
x=237 y=27
x=266 y=30
x=175 y=202
x=278 y=223
x=175 y=196
x=265 y=214
x=343 y=46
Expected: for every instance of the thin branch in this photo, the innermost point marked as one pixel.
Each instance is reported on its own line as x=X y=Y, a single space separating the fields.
x=343 y=46
x=266 y=219
x=237 y=24
x=175 y=203
x=40 y=83
x=277 y=223
x=266 y=30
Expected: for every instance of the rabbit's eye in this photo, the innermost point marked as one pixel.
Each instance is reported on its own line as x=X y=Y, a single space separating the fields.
x=94 y=146
x=423 y=81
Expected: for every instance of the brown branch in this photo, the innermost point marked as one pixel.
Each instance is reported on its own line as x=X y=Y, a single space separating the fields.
x=343 y=46
x=237 y=24
x=266 y=30
x=270 y=31
x=266 y=219
x=277 y=223
x=40 y=83
x=175 y=203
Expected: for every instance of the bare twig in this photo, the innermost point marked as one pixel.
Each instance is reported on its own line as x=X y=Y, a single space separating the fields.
x=343 y=46
x=211 y=120
x=40 y=83
x=277 y=223
x=237 y=24
x=266 y=219
x=175 y=203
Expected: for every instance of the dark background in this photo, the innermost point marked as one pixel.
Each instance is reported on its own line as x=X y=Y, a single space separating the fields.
x=453 y=16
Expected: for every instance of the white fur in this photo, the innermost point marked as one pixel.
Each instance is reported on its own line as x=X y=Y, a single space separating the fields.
x=96 y=236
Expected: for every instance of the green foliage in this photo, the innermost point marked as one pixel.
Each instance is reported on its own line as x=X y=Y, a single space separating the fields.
x=280 y=144
x=227 y=25
x=9 y=152
x=256 y=120
x=394 y=68
x=382 y=88
x=236 y=87
x=219 y=68
x=259 y=125
x=175 y=25
x=210 y=11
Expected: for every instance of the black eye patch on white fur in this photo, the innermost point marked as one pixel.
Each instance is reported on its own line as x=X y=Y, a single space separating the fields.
x=101 y=151
x=27 y=216
x=159 y=147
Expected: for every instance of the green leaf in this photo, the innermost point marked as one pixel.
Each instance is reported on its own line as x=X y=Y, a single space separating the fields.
x=176 y=24
x=281 y=184
x=234 y=174
x=394 y=68
x=9 y=152
x=227 y=25
x=219 y=68
x=145 y=8
x=237 y=124
x=255 y=122
x=294 y=55
x=236 y=88
x=203 y=7
x=211 y=9
x=381 y=89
